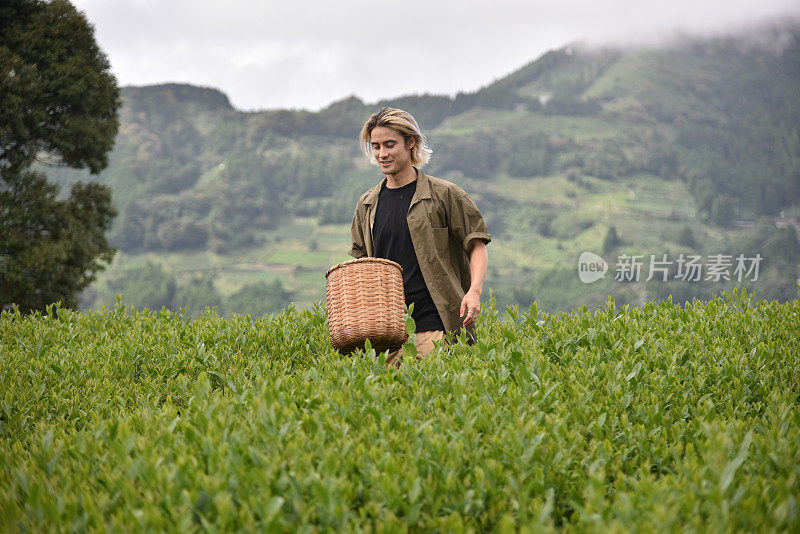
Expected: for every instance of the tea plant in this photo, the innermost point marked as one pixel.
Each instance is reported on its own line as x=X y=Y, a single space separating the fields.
x=651 y=418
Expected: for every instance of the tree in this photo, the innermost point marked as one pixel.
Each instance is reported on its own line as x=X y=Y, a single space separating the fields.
x=611 y=240
x=58 y=94
x=58 y=106
x=196 y=295
x=722 y=210
x=51 y=248
x=149 y=286
x=259 y=298
x=686 y=237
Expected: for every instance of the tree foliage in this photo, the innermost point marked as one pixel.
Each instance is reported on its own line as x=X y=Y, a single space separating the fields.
x=58 y=94
x=51 y=248
x=150 y=286
x=58 y=106
x=259 y=298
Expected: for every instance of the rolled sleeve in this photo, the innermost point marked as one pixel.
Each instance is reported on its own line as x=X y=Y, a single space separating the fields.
x=357 y=252
x=483 y=236
x=467 y=223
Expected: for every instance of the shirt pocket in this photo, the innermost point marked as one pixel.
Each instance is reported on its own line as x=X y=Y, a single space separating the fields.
x=437 y=214
x=441 y=241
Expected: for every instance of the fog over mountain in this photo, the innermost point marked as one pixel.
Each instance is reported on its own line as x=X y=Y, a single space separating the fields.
x=271 y=54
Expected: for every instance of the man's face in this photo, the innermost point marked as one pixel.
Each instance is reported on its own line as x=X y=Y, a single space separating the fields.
x=390 y=150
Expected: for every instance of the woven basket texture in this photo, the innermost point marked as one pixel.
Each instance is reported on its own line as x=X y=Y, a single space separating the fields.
x=366 y=301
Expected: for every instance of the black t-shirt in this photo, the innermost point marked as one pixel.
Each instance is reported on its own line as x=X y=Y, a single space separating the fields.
x=393 y=241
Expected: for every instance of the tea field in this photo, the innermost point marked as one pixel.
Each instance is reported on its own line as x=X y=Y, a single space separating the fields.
x=652 y=418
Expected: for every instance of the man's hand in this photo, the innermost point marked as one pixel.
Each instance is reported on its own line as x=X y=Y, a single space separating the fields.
x=470 y=307
x=471 y=303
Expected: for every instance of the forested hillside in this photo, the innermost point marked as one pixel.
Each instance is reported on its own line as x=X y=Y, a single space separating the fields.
x=692 y=149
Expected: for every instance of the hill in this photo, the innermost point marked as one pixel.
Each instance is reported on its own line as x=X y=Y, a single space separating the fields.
x=689 y=150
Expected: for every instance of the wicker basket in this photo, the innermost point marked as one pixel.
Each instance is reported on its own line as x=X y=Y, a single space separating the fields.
x=366 y=301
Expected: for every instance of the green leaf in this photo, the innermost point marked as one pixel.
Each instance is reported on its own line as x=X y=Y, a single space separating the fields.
x=411 y=325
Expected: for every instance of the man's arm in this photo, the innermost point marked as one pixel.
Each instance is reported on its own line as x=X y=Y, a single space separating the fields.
x=478 y=263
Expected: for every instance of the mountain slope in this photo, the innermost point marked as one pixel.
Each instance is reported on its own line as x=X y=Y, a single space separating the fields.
x=666 y=146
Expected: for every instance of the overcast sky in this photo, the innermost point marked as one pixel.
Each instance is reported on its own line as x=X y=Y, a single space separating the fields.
x=284 y=54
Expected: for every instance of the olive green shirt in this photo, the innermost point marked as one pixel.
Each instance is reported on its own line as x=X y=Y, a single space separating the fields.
x=443 y=220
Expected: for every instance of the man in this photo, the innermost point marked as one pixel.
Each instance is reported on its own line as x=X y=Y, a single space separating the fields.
x=429 y=226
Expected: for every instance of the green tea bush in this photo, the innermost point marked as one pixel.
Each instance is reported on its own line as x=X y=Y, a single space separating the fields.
x=654 y=418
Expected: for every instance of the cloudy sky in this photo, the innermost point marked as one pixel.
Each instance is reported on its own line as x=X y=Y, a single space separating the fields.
x=286 y=54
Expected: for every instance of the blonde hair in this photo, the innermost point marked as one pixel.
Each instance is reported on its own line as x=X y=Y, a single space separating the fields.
x=403 y=123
